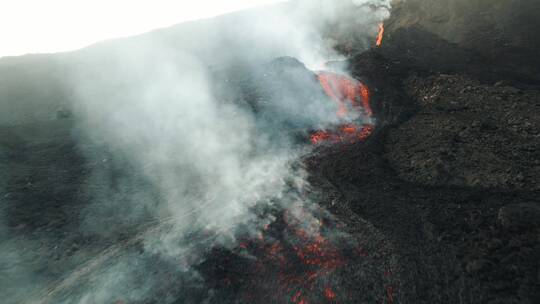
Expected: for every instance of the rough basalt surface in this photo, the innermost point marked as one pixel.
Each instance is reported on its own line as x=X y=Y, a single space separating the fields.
x=451 y=175
x=468 y=134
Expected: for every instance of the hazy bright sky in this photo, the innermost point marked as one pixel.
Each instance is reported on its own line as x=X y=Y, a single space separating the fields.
x=43 y=26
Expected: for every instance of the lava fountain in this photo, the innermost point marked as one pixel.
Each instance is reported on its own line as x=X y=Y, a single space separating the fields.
x=380 y=35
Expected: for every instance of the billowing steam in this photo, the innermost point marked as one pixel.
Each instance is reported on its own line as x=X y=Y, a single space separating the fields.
x=195 y=131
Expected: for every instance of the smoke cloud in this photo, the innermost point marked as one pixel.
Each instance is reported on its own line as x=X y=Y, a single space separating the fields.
x=188 y=131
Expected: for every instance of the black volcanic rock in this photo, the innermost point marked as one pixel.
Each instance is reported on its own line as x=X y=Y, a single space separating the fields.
x=520 y=216
x=451 y=175
x=479 y=135
x=503 y=31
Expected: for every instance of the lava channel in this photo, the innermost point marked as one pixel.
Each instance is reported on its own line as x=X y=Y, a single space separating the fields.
x=380 y=35
x=353 y=100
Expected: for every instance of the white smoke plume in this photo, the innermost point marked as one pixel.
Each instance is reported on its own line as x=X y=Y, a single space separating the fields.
x=197 y=161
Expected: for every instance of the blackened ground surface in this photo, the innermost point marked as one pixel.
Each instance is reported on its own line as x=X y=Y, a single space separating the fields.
x=451 y=176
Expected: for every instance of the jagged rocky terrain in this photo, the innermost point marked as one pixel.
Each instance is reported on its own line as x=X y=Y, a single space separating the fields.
x=451 y=177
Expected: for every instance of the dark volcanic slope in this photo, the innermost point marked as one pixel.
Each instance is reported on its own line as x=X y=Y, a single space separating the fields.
x=504 y=31
x=451 y=177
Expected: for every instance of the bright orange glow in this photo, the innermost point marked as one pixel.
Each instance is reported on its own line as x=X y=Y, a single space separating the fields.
x=319 y=137
x=348 y=129
x=346 y=133
x=364 y=93
x=306 y=261
x=329 y=294
x=352 y=96
x=303 y=266
x=380 y=35
x=347 y=92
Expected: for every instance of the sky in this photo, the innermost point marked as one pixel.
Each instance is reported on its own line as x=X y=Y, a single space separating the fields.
x=38 y=26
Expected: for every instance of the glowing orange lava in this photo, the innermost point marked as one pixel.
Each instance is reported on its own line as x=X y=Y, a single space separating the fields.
x=301 y=262
x=347 y=92
x=380 y=35
x=352 y=97
x=345 y=133
x=303 y=258
x=329 y=293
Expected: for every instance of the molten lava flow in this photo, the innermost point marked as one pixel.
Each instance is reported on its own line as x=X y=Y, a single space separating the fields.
x=365 y=97
x=347 y=92
x=320 y=137
x=299 y=257
x=353 y=99
x=380 y=35
x=303 y=257
x=346 y=133
x=329 y=293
